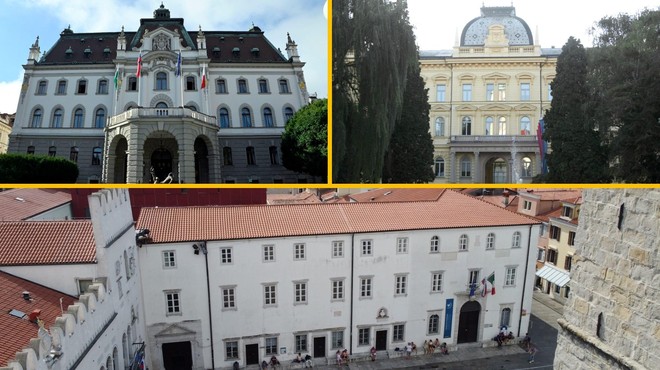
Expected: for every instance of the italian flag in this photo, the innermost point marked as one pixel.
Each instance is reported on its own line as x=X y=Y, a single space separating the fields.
x=491 y=280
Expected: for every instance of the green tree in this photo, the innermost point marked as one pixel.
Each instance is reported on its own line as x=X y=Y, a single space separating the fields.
x=577 y=155
x=624 y=77
x=409 y=157
x=36 y=169
x=305 y=140
x=373 y=46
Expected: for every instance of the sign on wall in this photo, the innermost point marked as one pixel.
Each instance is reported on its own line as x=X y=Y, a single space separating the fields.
x=449 y=314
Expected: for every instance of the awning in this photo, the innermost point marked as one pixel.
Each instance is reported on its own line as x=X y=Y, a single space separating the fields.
x=554 y=275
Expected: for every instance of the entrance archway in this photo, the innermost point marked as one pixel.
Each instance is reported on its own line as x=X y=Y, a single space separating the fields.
x=497 y=170
x=161 y=162
x=177 y=355
x=468 y=322
x=201 y=161
x=121 y=162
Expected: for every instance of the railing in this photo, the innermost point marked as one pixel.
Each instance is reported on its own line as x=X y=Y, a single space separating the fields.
x=136 y=113
x=493 y=138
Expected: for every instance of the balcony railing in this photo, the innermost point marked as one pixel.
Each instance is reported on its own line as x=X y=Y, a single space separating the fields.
x=138 y=113
x=493 y=138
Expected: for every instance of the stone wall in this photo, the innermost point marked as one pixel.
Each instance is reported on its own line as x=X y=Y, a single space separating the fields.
x=612 y=318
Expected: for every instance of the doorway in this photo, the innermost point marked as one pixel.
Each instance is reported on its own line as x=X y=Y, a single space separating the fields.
x=468 y=322
x=252 y=354
x=161 y=161
x=319 y=347
x=177 y=356
x=381 y=340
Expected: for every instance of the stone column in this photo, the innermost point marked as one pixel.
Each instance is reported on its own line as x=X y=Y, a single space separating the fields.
x=134 y=157
x=477 y=168
x=452 y=166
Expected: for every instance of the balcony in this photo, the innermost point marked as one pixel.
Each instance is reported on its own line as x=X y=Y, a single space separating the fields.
x=161 y=113
x=466 y=292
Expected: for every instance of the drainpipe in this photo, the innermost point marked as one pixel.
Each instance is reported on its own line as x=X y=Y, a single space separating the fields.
x=202 y=247
x=522 y=297
x=350 y=330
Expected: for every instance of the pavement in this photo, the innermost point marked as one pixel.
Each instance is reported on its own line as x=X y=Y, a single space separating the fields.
x=542 y=329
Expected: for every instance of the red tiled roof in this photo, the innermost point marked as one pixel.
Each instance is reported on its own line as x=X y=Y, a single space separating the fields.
x=46 y=242
x=398 y=195
x=451 y=210
x=553 y=194
x=19 y=204
x=300 y=198
x=17 y=332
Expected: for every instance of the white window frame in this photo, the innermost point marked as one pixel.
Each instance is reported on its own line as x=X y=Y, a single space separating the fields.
x=233 y=354
x=300 y=292
x=510 y=276
x=337 y=289
x=398 y=332
x=337 y=339
x=364 y=340
x=463 y=242
x=169 y=259
x=268 y=253
x=490 y=241
x=172 y=302
x=270 y=346
x=270 y=294
x=515 y=241
x=299 y=252
x=366 y=247
x=436 y=281
x=435 y=244
x=338 y=249
x=402 y=245
x=437 y=325
x=473 y=277
x=228 y=297
x=300 y=342
x=401 y=284
x=366 y=287
x=527 y=205
x=226 y=255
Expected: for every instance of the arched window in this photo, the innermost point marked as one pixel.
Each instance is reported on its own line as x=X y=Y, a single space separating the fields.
x=439 y=167
x=161 y=109
x=288 y=114
x=57 y=118
x=268 y=117
x=599 y=326
x=439 y=126
x=102 y=87
x=41 y=89
x=515 y=242
x=463 y=242
x=36 y=118
x=526 y=167
x=466 y=126
x=490 y=127
x=466 y=167
x=161 y=81
x=525 y=126
x=502 y=126
x=246 y=117
x=78 y=118
x=99 y=118
x=434 y=324
x=490 y=241
x=505 y=317
x=223 y=117
x=435 y=244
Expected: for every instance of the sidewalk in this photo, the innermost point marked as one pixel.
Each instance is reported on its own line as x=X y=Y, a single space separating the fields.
x=548 y=310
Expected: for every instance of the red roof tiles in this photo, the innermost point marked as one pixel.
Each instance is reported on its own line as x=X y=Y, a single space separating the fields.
x=17 y=332
x=46 y=242
x=398 y=195
x=451 y=210
x=20 y=204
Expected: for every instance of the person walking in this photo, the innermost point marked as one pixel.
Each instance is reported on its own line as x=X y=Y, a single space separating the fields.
x=373 y=353
x=532 y=352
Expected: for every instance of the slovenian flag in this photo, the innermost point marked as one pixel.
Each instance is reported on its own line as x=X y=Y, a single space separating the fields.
x=177 y=73
x=139 y=65
x=483 y=291
x=204 y=78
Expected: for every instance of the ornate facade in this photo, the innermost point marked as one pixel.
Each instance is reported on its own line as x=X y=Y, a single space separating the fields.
x=203 y=107
x=487 y=96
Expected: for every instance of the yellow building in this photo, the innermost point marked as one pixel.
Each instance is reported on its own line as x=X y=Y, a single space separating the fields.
x=487 y=96
x=6 y=123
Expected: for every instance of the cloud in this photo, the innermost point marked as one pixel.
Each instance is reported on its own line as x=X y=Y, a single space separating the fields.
x=9 y=93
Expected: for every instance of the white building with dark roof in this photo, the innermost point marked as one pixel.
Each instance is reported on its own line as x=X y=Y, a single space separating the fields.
x=244 y=283
x=204 y=106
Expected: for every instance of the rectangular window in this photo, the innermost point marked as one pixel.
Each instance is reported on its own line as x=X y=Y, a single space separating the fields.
x=337 y=249
x=501 y=92
x=83 y=285
x=440 y=90
x=227 y=157
x=400 y=284
x=300 y=292
x=555 y=233
x=402 y=245
x=41 y=90
x=242 y=87
x=524 y=91
x=568 y=261
x=231 y=350
x=271 y=346
x=301 y=343
x=82 y=87
x=270 y=298
x=337 y=290
x=173 y=303
x=552 y=256
x=365 y=287
x=527 y=205
x=436 y=282
x=299 y=251
x=363 y=336
x=220 y=86
x=102 y=87
x=467 y=92
x=249 y=152
x=540 y=255
x=263 y=87
x=284 y=87
x=510 y=277
x=274 y=158
x=337 y=339
x=366 y=247
x=269 y=253
x=466 y=168
x=567 y=212
x=398 y=333
x=61 y=87
x=169 y=260
x=474 y=277
x=571 y=238
x=225 y=255
x=490 y=92
x=228 y=298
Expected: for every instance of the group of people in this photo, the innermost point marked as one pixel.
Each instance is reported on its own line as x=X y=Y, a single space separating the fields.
x=430 y=346
x=342 y=357
x=503 y=338
x=307 y=360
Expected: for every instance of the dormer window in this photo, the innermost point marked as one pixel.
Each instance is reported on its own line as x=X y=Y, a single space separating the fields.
x=87 y=52
x=68 y=52
x=106 y=53
x=255 y=52
x=567 y=212
x=236 y=52
x=216 y=52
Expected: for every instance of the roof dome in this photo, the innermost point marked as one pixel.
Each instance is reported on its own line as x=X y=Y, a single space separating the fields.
x=516 y=29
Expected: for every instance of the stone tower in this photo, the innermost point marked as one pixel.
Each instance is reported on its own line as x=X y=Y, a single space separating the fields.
x=612 y=318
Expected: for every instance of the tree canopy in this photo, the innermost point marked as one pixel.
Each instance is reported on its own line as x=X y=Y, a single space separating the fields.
x=373 y=46
x=36 y=169
x=305 y=140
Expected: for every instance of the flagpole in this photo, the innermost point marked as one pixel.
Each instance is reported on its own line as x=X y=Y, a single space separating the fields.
x=116 y=91
x=180 y=66
x=139 y=78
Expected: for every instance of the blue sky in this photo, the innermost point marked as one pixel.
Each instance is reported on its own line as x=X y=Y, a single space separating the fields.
x=21 y=21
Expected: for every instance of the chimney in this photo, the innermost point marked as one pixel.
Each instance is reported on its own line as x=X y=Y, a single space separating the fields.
x=26 y=296
x=505 y=195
